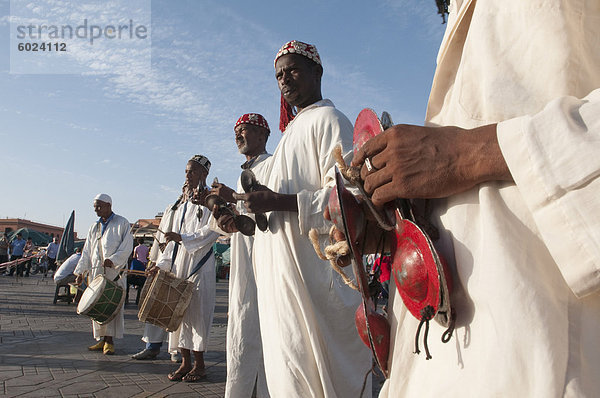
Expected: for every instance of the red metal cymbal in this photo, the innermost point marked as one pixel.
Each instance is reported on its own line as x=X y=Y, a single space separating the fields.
x=367 y=126
x=373 y=328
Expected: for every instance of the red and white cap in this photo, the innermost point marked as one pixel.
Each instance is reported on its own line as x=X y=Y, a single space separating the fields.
x=298 y=47
x=253 y=118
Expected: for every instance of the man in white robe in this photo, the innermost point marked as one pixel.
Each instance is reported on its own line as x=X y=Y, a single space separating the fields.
x=189 y=255
x=107 y=248
x=155 y=335
x=245 y=365
x=519 y=213
x=310 y=343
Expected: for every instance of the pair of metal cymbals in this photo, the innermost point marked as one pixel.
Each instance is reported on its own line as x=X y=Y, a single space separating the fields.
x=250 y=184
x=243 y=223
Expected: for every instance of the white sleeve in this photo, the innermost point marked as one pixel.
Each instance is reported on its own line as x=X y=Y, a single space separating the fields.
x=554 y=158
x=311 y=204
x=85 y=262
x=122 y=253
x=201 y=237
x=165 y=226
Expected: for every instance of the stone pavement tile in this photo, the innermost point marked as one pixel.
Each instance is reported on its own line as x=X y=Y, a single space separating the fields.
x=9 y=369
x=44 y=393
x=26 y=380
x=120 y=391
x=83 y=386
x=180 y=389
x=31 y=392
x=149 y=369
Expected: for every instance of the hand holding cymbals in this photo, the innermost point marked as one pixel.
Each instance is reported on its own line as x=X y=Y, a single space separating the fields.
x=243 y=223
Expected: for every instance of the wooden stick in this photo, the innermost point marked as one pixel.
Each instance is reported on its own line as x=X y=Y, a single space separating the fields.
x=135 y=272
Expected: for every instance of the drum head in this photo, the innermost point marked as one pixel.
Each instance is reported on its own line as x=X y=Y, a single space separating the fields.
x=91 y=294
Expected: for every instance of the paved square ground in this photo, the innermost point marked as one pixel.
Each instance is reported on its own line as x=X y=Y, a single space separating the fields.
x=43 y=350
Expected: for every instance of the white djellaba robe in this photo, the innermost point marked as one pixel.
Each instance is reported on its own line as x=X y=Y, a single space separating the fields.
x=245 y=365
x=115 y=244
x=310 y=343
x=153 y=333
x=526 y=256
x=196 y=241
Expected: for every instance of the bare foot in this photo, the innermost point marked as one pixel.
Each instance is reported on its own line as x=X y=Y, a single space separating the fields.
x=195 y=375
x=179 y=373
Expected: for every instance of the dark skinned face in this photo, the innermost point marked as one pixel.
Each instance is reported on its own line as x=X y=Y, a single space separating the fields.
x=250 y=139
x=299 y=80
x=195 y=174
x=102 y=209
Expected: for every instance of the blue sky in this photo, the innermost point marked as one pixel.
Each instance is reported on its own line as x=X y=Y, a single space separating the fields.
x=128 y=128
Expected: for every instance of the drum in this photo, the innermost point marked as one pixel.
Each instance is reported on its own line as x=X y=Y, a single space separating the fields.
x=167 y=299
x=101 y=300
x=145 y=288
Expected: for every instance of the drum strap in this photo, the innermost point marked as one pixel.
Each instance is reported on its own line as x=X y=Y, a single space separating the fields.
x=176 y=248
x=101 y=250
x=201 y=263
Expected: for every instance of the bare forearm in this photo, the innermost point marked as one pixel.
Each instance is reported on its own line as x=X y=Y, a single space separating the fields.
x=482 y=160
x=266 y=200
x=285 y=202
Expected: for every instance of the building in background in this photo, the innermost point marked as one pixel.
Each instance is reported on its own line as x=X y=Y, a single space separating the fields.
x=146 y=228
x=9 y=225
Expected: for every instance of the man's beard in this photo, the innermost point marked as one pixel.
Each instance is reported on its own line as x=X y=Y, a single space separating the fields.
x=187 y=192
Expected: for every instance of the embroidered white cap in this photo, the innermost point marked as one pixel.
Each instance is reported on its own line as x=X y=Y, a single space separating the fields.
x=102 y=197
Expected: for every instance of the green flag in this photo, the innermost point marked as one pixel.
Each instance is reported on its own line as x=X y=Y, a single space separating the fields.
x=67 y=241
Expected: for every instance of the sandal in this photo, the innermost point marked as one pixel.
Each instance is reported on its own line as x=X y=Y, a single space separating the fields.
x=194 y=377
x=176 y=375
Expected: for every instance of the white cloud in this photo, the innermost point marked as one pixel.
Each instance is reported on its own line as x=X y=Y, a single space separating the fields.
x=403 y=12
x=170 y=189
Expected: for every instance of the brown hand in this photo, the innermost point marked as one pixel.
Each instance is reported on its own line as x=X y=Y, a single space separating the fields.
x=199 y=196
x=266 y=200
x=172 y=236
x=108 y=263
x=223 y=191
x=429 y=162
x=226 y=223
x=152 y=270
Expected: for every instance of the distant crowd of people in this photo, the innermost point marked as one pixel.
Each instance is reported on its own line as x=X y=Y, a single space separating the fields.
x=19 y=248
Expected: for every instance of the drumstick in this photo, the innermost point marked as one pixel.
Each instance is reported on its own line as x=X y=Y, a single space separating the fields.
x=76 y=286
x=135 y=272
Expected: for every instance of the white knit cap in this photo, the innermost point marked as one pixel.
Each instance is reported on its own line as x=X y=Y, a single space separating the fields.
x=102 y=197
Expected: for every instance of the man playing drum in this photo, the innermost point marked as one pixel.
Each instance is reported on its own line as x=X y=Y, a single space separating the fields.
x=154 y=335
x=310 y=344
x=189 y=255
x=106 y=251
x=245 y=365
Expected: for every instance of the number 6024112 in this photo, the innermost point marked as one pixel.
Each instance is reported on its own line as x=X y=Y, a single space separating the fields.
x=42 y=46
